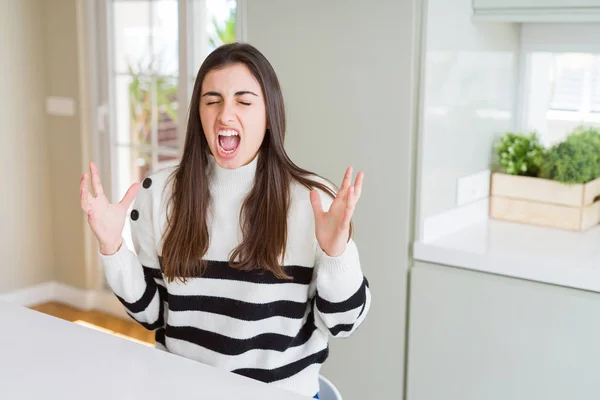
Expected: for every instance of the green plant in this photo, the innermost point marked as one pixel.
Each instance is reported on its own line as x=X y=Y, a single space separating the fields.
x=152 y=96
x=576 y=159
x=145 y=79
x=520 y=153
x=225 y=34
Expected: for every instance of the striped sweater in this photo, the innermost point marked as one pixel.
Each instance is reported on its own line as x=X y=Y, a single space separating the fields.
x=249 y=323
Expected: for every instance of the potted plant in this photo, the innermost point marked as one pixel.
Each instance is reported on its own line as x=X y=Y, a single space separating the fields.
x=556 y=187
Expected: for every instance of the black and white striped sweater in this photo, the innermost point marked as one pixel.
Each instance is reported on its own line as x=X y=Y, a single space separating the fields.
x=250 y=323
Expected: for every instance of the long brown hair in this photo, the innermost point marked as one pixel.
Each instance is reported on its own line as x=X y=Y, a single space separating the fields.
x=263 y=216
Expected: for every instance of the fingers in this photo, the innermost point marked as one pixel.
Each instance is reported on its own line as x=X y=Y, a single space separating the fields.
x=347 y=178
x=358 y=185
x=315 y=200
x=349 y=211
x=132 y=192
x=96 y=183
x=345 y=183
x=352 y=197
x=84 y=193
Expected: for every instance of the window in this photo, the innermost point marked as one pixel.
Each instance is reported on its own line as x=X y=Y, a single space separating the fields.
x=561 y=79
x=149 y=54
x=145 y=71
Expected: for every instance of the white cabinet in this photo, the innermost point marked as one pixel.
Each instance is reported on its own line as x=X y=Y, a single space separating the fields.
x=537 y=10
x=537 y=4
x=476 y=336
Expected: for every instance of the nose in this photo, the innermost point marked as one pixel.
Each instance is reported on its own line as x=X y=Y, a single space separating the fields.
x=227 y=114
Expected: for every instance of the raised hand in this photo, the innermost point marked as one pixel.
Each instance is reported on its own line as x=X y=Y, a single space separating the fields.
x=106 y=220
x=332 y=227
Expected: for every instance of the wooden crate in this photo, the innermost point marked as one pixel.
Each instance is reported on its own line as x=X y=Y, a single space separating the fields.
x=544 y=202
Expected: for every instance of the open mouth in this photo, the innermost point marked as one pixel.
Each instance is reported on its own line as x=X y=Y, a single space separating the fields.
x=229 y=141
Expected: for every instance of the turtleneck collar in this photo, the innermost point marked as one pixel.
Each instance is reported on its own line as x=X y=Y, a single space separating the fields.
x=240 y=178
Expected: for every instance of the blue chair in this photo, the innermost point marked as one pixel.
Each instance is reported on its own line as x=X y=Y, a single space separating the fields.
x=327 y=390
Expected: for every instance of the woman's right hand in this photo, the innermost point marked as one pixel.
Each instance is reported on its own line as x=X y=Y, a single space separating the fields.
x=106 y=220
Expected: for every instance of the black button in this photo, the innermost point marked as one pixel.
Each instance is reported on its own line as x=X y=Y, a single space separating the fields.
x=135 y=215
x=147 y=183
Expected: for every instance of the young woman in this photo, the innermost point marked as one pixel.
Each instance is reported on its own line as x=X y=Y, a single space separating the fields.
x=243 y=260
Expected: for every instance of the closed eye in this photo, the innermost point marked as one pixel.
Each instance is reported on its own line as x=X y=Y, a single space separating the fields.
x=244 y=103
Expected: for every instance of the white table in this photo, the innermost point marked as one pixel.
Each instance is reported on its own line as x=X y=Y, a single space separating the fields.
x=43 y=357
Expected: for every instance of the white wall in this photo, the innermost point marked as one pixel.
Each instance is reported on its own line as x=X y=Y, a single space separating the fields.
x=26 y=251
x=470 y=80
x=347 y=71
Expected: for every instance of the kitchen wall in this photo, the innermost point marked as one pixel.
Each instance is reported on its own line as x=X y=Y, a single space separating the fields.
x=26 y=202
x=470 y=78
x=348 y=69
x=541 y=42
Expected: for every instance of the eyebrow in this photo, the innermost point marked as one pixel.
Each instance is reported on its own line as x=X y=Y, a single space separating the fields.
x=240 y=93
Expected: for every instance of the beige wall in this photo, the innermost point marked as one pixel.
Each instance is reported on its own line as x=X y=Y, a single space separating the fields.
x=26 y=210
x=41 y=225
x=64 y=141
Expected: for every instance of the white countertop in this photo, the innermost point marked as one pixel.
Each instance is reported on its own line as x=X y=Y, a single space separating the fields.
x=42 y=357
x=546 y=255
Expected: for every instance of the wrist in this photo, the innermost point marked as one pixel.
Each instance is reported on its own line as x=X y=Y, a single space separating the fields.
x=334 y=252
x=109 y=250
x=347 y=263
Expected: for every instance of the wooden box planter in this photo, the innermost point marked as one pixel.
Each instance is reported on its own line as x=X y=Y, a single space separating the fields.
x=544 y=202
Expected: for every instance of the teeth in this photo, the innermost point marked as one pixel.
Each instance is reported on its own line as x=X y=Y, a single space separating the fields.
x=228 y=133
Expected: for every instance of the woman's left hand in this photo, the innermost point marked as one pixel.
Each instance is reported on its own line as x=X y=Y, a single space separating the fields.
x=332 y=227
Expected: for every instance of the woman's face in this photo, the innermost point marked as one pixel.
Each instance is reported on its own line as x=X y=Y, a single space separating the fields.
x=233 y=115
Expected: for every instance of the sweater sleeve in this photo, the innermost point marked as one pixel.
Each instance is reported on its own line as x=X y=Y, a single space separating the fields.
x=137 y=280
x=342 y=298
